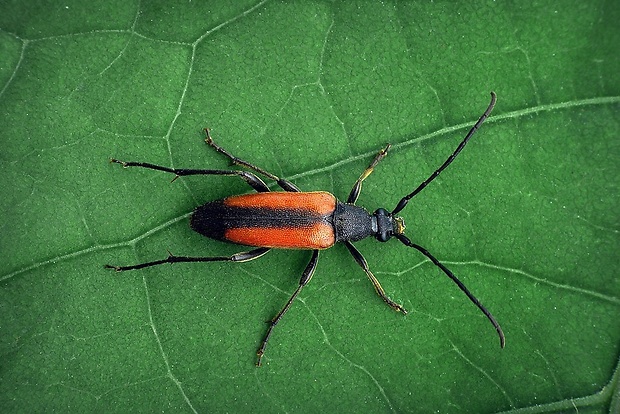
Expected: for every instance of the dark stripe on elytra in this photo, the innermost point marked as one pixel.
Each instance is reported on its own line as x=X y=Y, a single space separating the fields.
x=214 y=218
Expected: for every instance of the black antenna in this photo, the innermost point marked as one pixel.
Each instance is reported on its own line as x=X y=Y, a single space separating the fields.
x=407 y=242
x=403 y=202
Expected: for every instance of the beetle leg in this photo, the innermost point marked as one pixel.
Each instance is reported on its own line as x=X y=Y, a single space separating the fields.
x=364 y=265
x=251 y=179
x=284 y=184
x=239 y=257
x=357 y=187
x=305 y=278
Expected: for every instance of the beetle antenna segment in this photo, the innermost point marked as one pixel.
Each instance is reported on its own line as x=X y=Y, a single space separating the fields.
x=403 y=202
x=409 y=243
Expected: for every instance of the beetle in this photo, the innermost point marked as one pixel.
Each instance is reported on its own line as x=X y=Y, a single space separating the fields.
x=293 y=219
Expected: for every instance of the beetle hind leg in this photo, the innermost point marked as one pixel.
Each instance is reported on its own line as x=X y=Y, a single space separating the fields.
x=252 y=180
x=238 y=257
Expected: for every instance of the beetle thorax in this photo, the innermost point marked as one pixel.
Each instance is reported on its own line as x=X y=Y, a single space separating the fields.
x=352 y=223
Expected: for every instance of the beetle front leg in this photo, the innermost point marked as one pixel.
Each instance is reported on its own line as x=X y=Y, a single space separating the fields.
x=378 y=288
x=357 y=187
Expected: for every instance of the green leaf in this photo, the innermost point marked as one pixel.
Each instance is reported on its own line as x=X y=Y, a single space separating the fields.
x=527 y=216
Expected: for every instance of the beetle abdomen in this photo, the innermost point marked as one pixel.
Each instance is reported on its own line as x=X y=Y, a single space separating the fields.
x=271 y=219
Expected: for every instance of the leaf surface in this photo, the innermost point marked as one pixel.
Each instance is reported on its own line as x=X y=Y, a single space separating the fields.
x=527 y=216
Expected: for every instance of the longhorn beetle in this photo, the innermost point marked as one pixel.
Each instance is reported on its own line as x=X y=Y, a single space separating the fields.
x=301 y=220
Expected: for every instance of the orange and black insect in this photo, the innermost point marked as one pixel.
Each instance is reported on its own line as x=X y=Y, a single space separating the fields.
x=301 y=220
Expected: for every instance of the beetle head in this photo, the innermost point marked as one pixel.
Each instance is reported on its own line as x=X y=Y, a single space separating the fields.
x=387 y=225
